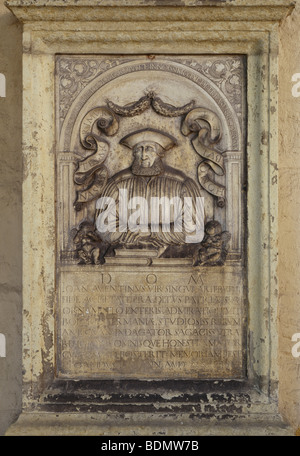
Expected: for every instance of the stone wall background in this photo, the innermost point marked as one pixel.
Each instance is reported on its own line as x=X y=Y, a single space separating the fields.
x=289 y=219
x=11 y=219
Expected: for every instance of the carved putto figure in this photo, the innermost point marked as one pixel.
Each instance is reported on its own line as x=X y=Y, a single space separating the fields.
x=87 y=244
x=212 y=250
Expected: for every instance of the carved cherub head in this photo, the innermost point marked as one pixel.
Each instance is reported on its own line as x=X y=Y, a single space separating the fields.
x=85 y=231
x=213 y=228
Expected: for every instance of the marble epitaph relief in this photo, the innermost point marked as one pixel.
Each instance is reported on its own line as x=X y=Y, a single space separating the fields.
x=150 y=216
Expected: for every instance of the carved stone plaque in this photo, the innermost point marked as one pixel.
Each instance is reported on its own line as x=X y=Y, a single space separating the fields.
x=150 y=217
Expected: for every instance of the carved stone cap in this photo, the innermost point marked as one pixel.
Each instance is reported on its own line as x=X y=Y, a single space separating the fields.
x=148 y=134
x=158 y=10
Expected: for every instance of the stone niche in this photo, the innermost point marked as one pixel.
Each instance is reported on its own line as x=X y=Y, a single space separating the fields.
x=150 y=212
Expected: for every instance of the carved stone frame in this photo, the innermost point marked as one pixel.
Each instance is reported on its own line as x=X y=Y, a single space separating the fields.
x=243 y=27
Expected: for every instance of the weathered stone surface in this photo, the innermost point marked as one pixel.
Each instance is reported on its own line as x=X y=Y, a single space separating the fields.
x=151 y=323
x=51 y=424
x=11 y=218
x=148 y=302
x=43 y=182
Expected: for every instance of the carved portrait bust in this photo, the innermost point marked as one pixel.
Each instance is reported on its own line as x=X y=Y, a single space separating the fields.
x=149 y=183
x=148 y=205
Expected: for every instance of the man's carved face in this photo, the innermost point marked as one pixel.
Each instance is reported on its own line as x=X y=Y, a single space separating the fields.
x=147 y=159
x=145 y=153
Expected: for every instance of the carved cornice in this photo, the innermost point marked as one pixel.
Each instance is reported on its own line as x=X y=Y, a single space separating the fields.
x=156 y=10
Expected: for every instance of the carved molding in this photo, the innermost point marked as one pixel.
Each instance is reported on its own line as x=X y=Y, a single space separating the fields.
x=122 y=69
x=77 y=73
x=137 y=10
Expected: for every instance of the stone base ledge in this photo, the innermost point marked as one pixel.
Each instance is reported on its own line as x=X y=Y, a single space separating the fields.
x=76 y=424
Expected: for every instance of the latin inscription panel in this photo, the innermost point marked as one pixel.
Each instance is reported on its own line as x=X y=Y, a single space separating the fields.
x=151 y=323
